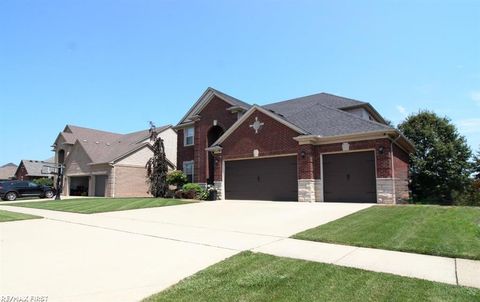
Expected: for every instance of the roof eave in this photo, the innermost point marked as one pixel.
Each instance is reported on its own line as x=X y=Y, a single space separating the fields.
x=392 y=134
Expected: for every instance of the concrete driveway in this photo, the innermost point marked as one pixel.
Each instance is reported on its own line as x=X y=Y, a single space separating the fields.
x=128 y=255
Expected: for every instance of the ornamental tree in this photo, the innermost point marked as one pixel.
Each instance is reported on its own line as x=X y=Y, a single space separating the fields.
x=157 y=166
x=440 y=166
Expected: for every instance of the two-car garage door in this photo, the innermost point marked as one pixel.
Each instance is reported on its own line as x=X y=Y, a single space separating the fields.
x=347 y=177
x=262 y=179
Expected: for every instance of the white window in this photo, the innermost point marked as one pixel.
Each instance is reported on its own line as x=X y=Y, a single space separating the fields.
x=188 y=135
x=188 y=170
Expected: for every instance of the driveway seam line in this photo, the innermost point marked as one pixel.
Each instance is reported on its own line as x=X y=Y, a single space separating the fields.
x=264 y=244
x=347 y=254
x=456 y=271
x=201 y=227
x=141 y=234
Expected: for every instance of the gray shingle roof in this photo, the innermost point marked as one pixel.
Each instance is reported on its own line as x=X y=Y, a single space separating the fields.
x=103 y=146
x=321 y=114
x=230 y=98
x=7 y=171
x=323 y=98
x=34 y=167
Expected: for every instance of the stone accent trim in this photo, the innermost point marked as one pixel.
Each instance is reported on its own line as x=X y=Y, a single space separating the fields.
x=219 y=186
x=386 y=191
x=318 y=190
x=306 y=190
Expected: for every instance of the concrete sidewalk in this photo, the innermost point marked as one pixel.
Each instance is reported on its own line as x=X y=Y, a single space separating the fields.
x=440 y=269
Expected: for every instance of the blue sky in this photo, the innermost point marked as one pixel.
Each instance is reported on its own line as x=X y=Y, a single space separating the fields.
x=117 y=64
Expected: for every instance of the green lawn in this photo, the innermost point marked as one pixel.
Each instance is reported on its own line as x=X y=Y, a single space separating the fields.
x=98 y=205
x=12 y=216
x=260 y=277
x=433 y=230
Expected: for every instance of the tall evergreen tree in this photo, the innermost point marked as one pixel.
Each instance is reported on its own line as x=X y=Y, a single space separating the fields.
x=477 y=165
x=441 y=164
x=157 y=167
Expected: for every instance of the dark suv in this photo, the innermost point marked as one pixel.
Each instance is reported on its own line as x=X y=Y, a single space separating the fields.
x=10 y=190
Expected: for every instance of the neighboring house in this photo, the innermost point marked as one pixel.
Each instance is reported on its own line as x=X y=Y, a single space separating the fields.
x=7 y=171
x=33 y=169
x=100 y=163
x=320 y=147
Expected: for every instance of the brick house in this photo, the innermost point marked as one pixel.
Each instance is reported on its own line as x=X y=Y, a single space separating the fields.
x=320 y=147
x=32 y=169
x=7 y=171
x=100 y=163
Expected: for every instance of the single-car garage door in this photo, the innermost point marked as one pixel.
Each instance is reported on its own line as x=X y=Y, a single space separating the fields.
x=349 y=177
x=262 y=179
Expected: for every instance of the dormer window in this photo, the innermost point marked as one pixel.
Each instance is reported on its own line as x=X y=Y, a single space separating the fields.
x=188 y=136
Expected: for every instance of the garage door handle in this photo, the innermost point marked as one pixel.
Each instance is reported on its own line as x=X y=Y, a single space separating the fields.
x=348 y=176
x=258 y=178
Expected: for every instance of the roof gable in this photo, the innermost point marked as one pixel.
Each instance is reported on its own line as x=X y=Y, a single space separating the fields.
x=245 y=117
x=205 y=98
x=104 y=147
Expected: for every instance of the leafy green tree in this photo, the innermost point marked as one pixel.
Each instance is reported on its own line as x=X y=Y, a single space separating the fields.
x=440 y=165
x=157 y=166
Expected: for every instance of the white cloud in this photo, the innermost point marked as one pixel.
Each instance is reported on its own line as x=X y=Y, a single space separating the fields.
x=475 y=96
x=471 y=125
x=402 y=110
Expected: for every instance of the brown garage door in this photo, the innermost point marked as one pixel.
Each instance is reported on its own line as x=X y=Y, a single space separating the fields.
x=262 y=179
x=349 y=177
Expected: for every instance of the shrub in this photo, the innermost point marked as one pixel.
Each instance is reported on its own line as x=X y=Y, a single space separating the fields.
x=176 y=178
x=44 y=181
x=191 y=194
x=476 y=184
x=192 y=190
x=471 y=197
x=178 y=194
x=192 y=186
x=206 y=193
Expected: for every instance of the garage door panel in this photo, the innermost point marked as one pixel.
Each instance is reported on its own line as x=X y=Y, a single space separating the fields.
x=350 y=177
x=262 y=179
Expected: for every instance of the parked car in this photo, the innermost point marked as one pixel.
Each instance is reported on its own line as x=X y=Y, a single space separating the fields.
x=13 y=189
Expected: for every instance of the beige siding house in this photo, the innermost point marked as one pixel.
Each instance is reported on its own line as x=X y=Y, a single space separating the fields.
x=100 y=163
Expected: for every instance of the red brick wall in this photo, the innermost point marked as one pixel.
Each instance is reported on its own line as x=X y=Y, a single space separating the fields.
x=273 y=138
x=307 y=164
x=21 y=173
x=216 y=109
x=383 y=161
x=401 y=164
x=183 y=153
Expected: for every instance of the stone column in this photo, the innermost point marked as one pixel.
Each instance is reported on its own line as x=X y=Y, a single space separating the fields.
x=306 y=177
x=218 y=181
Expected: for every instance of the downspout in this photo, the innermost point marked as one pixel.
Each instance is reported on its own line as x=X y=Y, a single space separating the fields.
x=393 y=169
